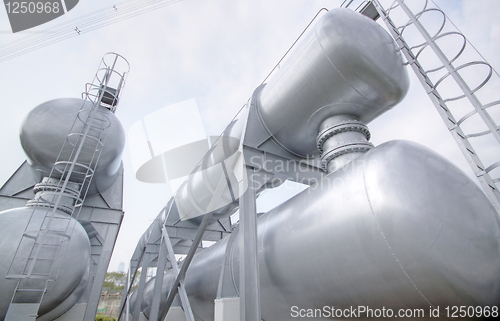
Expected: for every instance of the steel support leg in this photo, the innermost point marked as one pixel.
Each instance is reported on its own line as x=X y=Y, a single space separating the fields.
x=100 y=276
x=212 y=206
x=124 y=294
x=249 y=264
x=185 y=264
x=160 y=270
x=226 y=288
x=182 y=289
x=127 y=290
x=140 y=289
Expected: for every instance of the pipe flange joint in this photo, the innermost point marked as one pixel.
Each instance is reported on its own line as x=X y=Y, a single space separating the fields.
x=343 y=126
x=355 y=147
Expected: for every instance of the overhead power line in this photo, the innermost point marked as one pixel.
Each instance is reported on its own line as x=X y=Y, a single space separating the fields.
x=80 y=25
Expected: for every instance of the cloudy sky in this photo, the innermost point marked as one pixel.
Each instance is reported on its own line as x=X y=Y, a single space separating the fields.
x=214 y=51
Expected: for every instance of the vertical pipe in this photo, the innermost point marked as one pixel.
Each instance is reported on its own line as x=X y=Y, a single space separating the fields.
x=249 y=268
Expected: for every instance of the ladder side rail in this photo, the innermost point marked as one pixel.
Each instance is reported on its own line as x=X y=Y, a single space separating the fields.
x=475 y=163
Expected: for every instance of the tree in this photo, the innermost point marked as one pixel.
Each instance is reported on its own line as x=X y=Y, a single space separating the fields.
x=115 y=281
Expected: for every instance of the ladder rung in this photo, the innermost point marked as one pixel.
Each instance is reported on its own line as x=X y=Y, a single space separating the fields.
x=40 y=274
x=30 y=290
x=43 y=259
x=48 y=244
x=21 y=276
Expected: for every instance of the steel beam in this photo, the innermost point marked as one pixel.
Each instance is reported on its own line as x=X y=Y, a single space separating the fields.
x=185 y=265
x=137 y=308
x=182 y=289
x=160 y=270
x=249 y=265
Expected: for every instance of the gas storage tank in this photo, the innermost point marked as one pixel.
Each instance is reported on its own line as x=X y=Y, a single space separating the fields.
x=348 y=65
x=46 y=127
x=399 y=228
x=72 y=277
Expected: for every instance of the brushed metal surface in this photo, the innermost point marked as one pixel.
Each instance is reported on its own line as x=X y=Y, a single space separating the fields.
x=197 y=192
x=400 y=227
x=73 y=275
x=347 y=65
x=45 y=128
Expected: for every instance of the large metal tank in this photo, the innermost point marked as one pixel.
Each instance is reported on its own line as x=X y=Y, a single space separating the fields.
x=348 y=65
x=45 y=129
x=400 y=228
x=75 y=263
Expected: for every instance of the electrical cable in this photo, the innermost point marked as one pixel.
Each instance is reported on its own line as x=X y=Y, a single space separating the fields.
x=86 y=23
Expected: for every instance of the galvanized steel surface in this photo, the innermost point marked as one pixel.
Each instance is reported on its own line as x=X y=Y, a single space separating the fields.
x=400 y=227
x=71 y=280
x=43 y=133
x=348 y=65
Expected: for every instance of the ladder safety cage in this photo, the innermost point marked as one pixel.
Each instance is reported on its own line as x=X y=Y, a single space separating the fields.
x=108 y=82
x=44 y=243
x=462 y=85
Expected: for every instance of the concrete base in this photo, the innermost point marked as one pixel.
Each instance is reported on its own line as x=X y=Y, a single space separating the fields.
x=76 y=313
x=227 y=309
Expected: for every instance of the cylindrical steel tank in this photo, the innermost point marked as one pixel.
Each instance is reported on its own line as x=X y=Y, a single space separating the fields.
x=75 y=263
x=347 y=65
x=400 y=227
x=45 y=129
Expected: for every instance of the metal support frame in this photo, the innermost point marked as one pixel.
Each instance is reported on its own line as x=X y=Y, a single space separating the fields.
x=125 y=303
x=212 y=206
x=249 y=263
x=101 y=216
x=266 y=160
x=137 y=307
x=160 y=270
x=157 y=248
x=226 y=288
x=69 y=179
x=101 y=269
x=128 y=288
x=182 y=289
x=185 y=265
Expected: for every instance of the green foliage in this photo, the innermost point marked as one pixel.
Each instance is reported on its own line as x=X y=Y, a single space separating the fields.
x=115 y=281
x=101 y=317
